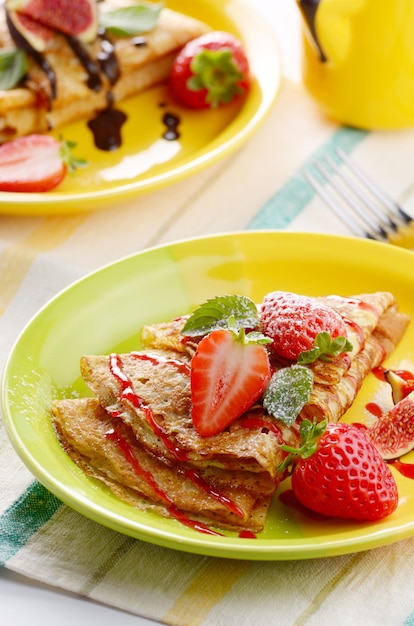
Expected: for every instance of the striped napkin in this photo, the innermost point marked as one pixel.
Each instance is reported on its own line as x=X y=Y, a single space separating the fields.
x=259 y=187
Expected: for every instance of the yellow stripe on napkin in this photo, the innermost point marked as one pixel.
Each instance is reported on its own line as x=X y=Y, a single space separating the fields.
x=205 y=591
x=15 y=260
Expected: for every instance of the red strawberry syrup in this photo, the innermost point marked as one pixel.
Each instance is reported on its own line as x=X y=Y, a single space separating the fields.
x=126 y=450
x=183 y=368
x=288 y=498
x=358 y=330
x=127 y=393
x=262 y=424
x=374 y=409
x=379 y=373
x=405 y=469
x=407 y=377
x=247 y=534
x=193 y=475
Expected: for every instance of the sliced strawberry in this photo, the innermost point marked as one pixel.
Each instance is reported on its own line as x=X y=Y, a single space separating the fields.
x=31 y=164
x=229 y=373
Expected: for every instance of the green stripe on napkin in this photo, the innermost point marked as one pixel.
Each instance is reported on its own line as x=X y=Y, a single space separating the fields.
x=26 y=515
x=296 y=194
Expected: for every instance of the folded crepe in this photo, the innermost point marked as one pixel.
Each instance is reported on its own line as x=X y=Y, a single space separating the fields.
x=107 y=449
x=150 y=390
x=32 y=106
x=148 y=393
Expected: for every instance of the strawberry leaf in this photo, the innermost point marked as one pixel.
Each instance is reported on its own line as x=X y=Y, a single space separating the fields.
x=131 y=20
x=215 y=314
x=216 y=71
x=325 y=348
x=288 y=391
x=73 y=163
x=310 y=432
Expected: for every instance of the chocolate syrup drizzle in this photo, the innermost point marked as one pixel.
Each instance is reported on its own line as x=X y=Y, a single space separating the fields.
x=38 y=57
x=106 y=125
x=107 y=58
x=171 y=122
x=94 y=81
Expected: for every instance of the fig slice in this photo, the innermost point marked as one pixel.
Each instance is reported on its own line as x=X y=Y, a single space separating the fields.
x=393 y=434
x=34 y=33
x=402 y=383
x=78 y=19
x=397 y=385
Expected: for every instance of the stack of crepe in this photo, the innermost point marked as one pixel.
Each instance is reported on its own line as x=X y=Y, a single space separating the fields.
x=31 y=106
x=136 y=434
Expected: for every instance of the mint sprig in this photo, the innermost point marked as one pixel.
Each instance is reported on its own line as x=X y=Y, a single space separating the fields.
x=241 y=335
x=287 y=393
x=325 y=348
x=13 y=66
x=132 y=20
x=215 y=314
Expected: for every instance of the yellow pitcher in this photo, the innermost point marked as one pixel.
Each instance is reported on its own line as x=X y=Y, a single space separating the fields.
x=358 y=60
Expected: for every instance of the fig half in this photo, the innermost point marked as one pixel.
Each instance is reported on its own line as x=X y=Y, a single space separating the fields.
x=78 y=19
x=34 y=33
x=393 y=434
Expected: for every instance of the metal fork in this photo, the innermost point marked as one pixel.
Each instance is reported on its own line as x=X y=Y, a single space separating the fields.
x=358 y=201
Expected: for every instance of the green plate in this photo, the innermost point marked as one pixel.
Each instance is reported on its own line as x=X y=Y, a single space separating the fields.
x=104 y=312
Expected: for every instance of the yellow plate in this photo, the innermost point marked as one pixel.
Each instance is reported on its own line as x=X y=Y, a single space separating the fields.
x=104 y=311
x=145 y=160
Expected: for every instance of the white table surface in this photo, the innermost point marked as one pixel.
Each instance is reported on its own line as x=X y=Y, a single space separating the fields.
x=25 y=601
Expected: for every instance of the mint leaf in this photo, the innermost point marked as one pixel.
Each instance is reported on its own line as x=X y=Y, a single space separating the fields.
x=325 y=348
x=287 y=393
x=255 y=337
x=132 y=20
x=245 y=338
x=13 y=66
x=215 y=313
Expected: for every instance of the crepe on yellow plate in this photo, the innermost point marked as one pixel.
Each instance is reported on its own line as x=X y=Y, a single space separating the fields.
x=147 y=394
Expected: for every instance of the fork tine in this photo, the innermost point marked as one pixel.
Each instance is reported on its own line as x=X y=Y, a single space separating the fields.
x=359 y=202
x=373 y=228
x=385 y=221
x=392 y=206
x=349 y=221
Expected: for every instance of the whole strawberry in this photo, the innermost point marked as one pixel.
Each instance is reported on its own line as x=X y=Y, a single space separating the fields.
x=210 y=71
x=294 y=322
x=339 y=473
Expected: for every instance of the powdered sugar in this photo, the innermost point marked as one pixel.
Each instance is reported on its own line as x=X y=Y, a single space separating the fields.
x=293 y=321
